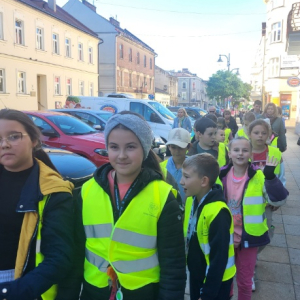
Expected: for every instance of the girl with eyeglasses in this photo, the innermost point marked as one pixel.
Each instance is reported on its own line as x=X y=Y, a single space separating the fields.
x=36 y=215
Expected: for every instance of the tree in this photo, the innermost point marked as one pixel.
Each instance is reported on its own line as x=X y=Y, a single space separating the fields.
x=225 y=84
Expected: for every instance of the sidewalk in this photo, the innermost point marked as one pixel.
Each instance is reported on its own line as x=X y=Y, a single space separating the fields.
x=278 y=268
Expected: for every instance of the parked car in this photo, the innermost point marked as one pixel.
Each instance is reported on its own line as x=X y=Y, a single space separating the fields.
x=98 y=118
x=71 y=166
x=66 y=132
x=94 y=118
x=193 y=112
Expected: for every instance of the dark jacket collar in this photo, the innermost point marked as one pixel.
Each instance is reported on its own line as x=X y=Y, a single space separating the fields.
x=224 y=170
x=31 y=193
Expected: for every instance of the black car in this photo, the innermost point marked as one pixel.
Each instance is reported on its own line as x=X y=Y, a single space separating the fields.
x=71 y=166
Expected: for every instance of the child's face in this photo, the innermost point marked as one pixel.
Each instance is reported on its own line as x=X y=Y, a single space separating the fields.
x=220 y=136
x=208 y=138
x=240 y=152
x=125 y=154
x=259 y=136
x=177 y=152
x=191 y=182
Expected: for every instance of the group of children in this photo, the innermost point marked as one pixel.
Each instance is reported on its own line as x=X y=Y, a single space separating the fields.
x=230 y=221
x=132 y=240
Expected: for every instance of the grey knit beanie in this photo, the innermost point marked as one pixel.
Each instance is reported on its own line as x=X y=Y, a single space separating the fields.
x=134 y=123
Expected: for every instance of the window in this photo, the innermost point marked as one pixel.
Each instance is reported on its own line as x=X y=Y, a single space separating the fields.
x=81 y=88
x=274 y=67
x=138 y=81
x=55 y=42
x=276 y=32
x=68 y=47
x=150 y=83
x=148 y=113
x=1 y=26
x=145 y=61
x=150 y=63
x=138 y=58
x=40 y=38
x=2 y=81
x=19 y=32
x=184 y=85
x=91 y=89
x=80 y=51
x=145 y=82
x=130 y=55
x=69 y=86
x=21 y=88
x=90 y=55
x=121 y=51
x=130 y=79
x=121 y=78
x=183 y=95
x=56 y=85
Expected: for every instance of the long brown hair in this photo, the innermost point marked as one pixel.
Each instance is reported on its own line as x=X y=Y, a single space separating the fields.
x=31 y=130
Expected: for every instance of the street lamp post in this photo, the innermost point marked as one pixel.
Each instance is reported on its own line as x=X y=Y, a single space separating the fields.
x=228 y=60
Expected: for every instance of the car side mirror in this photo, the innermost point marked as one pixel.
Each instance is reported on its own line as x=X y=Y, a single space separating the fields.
x=50 y=133
x=98 y=127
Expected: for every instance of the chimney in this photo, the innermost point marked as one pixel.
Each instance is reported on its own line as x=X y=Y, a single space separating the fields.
x=52 y=5
x=114 y=22
x=89 y=5
x=263 y=28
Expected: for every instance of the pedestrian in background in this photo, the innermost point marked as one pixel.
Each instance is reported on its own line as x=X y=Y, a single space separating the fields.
x=248 y=118
x=271 y=113
x=230 y=121
x=212 y=110
x=257 y=109
x=131 y=225
x=182 y=120
x=247 y=191
x=178 y=144
x=221 y=123
x=36 y=216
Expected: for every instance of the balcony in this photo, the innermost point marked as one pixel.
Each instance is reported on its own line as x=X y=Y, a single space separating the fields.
x=293 y=30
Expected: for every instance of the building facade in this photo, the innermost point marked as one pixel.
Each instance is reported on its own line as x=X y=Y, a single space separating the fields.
x=166 y=87
x=45 y=55
x=191 y=89
x=273 y=66
x=126 y=63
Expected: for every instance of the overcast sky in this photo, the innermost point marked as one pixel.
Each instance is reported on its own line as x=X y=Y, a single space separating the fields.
x=191 y=34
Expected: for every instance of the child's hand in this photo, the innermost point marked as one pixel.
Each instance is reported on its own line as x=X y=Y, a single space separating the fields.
x=269 y=169
x=272 y=161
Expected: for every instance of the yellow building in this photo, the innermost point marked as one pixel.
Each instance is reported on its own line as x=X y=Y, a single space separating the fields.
x=45 y=55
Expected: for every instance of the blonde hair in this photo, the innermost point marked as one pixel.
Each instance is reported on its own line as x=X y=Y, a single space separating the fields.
x=184 y=111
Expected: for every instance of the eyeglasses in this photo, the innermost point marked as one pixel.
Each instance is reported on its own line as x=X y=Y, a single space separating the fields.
x=13 y=139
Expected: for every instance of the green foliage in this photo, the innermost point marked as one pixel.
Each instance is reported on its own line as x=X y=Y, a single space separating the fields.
x=73 y=99
x=225 y=84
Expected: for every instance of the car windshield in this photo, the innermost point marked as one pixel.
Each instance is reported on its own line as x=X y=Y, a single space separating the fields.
x=166 y=113
x=70 y=125
x=104 y=116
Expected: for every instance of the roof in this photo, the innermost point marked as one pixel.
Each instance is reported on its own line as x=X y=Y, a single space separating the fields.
x=60 y=14
x=132 y=37
x=157 y=90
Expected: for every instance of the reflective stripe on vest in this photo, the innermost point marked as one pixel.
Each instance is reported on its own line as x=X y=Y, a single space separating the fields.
x=39 y=257
x=277 y=154
x=131 y=246
x=255 y=222
x=222 y=155
x=227 y=132
x=274 y=142
x=209 y=212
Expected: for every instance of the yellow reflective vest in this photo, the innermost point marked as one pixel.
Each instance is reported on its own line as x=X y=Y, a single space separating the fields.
x=227 y=134
x=222 y=155
x=274 y=142
x=163 y=166
x=129 y=246
x=39 y=257
x=241 y=132
x=254 y=206
x=207 y=215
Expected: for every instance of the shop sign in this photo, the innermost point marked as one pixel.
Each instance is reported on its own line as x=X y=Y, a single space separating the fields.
x=289 y=62
x=293 y=81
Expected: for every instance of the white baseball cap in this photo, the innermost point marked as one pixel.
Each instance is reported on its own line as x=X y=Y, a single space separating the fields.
x=179 y=137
